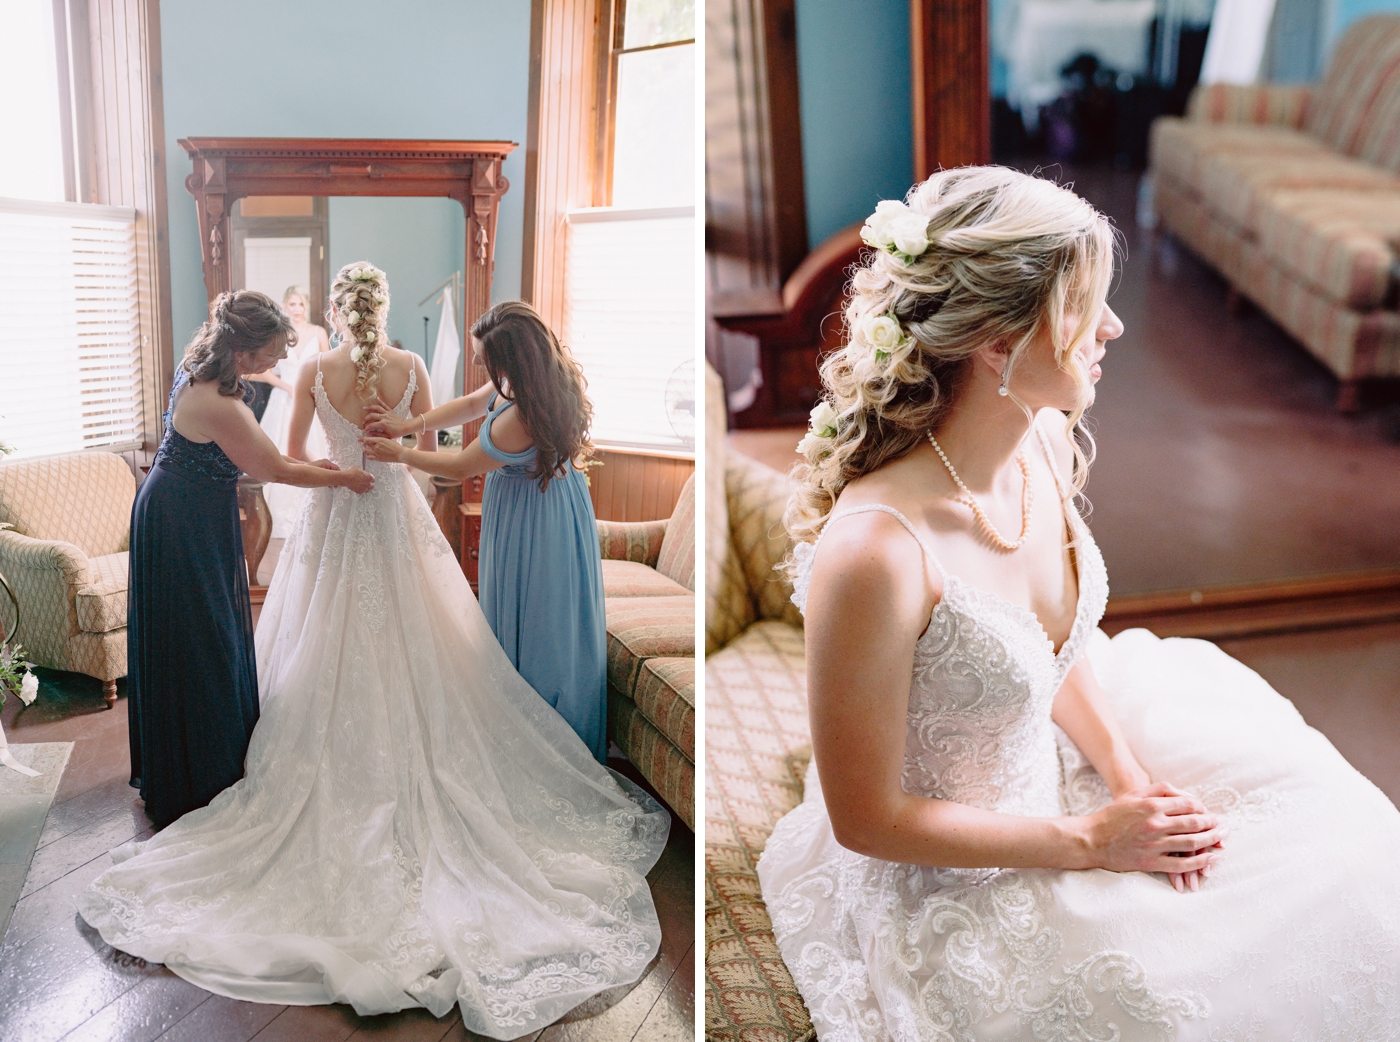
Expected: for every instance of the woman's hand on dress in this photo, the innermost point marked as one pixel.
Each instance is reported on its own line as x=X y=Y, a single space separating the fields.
x=384 y=450
x=324 y=464
x=380 y=419
x=356 y=480
x=1155 y=829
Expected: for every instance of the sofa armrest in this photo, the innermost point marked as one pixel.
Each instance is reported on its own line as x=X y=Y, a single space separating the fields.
x=1260 y=104
x=52 y=555
x=638 y=541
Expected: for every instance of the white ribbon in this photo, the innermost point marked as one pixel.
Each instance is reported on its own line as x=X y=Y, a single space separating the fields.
x=8 y=758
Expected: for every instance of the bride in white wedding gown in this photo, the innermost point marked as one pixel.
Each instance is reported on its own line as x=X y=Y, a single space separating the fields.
x=1014 y=827
x=416 y=826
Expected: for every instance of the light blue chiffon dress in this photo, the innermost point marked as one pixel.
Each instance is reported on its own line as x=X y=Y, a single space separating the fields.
x=541 y=584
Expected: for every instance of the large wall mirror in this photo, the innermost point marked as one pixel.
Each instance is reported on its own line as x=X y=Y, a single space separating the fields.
x=275 y=213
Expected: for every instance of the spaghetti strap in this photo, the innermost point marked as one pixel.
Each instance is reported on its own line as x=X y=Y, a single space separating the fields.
x=867 y=508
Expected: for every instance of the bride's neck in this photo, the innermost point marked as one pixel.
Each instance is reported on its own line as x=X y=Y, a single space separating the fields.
x=981 y=432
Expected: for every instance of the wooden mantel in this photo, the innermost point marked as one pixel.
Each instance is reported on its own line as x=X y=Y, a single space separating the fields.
x=229 y=168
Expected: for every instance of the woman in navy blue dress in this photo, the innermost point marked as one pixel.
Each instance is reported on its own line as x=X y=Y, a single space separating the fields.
x=192 y=687
x=541 y=578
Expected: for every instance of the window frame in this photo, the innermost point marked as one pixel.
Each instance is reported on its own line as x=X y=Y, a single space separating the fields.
x=612 y=31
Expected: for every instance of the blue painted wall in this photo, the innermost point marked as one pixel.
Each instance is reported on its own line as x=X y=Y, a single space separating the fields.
x=857 y=115
x=319 y=68
x=1344 y=12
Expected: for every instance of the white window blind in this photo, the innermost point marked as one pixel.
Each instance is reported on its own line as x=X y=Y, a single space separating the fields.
x=70 y=353
x=630 y=322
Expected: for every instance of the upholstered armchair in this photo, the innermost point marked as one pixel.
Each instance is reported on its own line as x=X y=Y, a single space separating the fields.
x=66 y=558
x=649 y=586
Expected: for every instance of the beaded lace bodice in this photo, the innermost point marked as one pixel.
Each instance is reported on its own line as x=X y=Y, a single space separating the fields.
x=203 y=458
x=343 y=437
x=978 y=730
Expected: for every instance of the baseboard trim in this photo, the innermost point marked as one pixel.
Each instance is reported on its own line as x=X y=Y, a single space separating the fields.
x=1260 y=608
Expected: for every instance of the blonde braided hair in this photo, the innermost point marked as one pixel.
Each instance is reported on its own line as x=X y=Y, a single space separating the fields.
x=360 y=294
x=980 y=255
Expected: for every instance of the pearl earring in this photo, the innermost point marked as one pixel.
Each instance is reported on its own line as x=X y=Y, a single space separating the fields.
x=1005 y=376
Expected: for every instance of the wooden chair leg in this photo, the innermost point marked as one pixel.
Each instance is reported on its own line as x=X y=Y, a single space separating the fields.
x=109 y=692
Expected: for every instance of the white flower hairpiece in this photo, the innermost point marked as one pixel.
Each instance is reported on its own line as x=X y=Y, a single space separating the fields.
x=352 y=317
x=823 y=428
x=369 y=337
x=886 y=335
x=357 y=352
x=895 y=228
x=364 y=273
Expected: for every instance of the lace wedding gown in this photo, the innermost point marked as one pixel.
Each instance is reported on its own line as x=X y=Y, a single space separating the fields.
x=416 y=826
x=1295 y=936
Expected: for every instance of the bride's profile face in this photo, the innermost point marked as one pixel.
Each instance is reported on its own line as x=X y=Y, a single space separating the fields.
x=1042 y=382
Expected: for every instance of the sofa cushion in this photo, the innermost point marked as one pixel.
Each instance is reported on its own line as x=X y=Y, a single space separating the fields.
x=1179 y=146
x=677 y=557
x=1339 y=242
x=638 y=541
x=1235 y=185
x=101 y=604
x=640 y=628
x=631 y=579
x=83 y=498
x=665 y=695
x=758 y=496
x=652 y=753
x=1362 y=76
x=757 y=746
x=1258 y=104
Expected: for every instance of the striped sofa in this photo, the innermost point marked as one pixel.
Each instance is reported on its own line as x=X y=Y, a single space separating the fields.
x=1293 y=194
x=757 y=739
x=649 y=589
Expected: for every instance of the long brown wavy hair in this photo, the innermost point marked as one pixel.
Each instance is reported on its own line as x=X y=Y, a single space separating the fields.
x=546 y=385
x=239 y=323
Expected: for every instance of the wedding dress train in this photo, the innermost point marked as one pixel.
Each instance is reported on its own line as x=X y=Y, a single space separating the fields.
x=416 y=826
x=1295 y=936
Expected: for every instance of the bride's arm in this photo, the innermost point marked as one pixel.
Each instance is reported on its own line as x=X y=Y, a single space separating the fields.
x=1084 y=715
x=303 y=409
x=866 y=609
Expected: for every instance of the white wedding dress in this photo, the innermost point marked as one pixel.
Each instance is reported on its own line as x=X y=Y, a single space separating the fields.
x=416 y=825
x=1295 y=936
x=284 y=502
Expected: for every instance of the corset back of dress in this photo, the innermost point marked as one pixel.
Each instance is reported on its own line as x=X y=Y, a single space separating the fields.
x=343 y=437
x=978 y=729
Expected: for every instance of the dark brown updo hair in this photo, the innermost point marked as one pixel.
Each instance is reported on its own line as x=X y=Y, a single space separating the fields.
x=545 y=382
x=240 y=323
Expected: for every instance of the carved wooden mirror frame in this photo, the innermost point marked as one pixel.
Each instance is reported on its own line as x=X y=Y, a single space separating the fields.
x=227 y=169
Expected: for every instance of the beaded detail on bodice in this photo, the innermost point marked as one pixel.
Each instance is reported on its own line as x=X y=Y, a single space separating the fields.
x=205 y=459
x=343 y=437
x=978 y=729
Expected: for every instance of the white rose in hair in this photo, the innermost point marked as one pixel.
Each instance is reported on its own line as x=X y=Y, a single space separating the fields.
x=369 y=337
x=353 y=317
x=910 y=234
x=356 y=353
x=824 y=420
x=810 y=445
x=380 y=299
x=884 y=333
x=28 y=688
x=876 y=230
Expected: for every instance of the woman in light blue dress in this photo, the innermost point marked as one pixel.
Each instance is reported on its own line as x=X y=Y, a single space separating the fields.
x=541 y=573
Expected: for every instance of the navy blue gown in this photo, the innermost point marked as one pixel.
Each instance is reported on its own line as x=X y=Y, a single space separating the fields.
x=192 y=683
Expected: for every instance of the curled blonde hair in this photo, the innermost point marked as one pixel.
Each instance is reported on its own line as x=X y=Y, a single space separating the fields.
x=1008 y=256
x=360 y=295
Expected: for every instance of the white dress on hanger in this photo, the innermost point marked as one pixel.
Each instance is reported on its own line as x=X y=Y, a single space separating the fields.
x=285 y=501
x=416 y=826
x=1295 y=936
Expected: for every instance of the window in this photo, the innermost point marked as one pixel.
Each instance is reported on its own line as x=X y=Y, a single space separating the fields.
x=630 y=296
x=32 y=162
x=70 y=357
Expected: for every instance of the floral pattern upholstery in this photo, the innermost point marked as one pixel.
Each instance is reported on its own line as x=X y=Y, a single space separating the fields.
x=1293 y=194
x=66 y=558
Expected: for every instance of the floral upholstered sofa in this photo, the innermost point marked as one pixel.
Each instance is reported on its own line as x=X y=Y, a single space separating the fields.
x=66 y=558
x=1293 y=194
x=649 y=587
x=757 y=740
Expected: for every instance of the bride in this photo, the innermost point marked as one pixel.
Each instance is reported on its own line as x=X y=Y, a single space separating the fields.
x=1015 y=827
x=416 y=826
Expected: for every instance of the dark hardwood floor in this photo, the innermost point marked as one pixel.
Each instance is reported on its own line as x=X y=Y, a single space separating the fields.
x=59 y=980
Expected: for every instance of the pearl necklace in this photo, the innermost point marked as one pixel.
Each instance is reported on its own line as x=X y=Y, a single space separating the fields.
x=971 y=503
